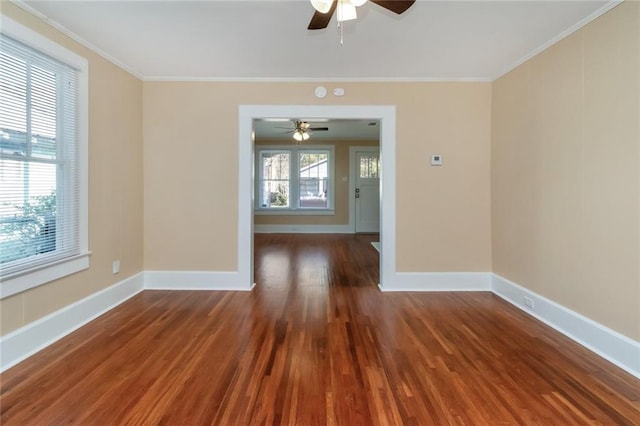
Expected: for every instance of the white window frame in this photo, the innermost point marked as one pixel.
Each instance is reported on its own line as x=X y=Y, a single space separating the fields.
x=294 y=179
x=30 y=278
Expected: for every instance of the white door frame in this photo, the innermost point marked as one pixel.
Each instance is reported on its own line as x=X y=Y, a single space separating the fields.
x=352 y=181
x=386 y=114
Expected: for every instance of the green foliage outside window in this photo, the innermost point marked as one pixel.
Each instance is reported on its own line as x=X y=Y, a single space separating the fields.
x=30 y=231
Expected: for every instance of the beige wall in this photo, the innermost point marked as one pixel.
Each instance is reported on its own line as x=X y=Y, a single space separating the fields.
x=565 y=172
x=341 y=158
x=191 y=144
x=115 y=186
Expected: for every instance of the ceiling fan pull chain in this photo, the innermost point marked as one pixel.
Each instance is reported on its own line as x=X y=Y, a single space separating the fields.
x=341 y=25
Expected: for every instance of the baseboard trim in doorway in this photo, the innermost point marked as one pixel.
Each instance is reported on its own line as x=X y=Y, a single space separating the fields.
x=609 y=344
x=439 y=281
x=303 y=229
x=30 y=339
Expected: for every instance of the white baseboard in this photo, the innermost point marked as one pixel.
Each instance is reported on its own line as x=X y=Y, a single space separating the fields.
x=439 y=281
x=303 y=229
x=194 y=280
x=26 y=341
x=609 y=344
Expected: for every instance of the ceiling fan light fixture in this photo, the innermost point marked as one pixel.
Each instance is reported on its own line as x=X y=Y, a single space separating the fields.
x=346 y=11
x=300 y=135
x=322 y=6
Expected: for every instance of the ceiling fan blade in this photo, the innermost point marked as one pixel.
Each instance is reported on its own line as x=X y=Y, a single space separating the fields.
x=319 y=20
x=318 y=129
x=396 y=6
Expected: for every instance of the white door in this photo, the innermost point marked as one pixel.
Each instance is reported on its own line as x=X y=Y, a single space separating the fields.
x=367 y=190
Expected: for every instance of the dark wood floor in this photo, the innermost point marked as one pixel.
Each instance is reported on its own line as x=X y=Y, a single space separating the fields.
x=316 y=343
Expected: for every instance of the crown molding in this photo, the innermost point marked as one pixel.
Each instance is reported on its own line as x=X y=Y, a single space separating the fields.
x=321 y=79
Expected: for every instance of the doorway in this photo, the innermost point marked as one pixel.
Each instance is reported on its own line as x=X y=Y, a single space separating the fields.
x=365 y=188
x=387 y=118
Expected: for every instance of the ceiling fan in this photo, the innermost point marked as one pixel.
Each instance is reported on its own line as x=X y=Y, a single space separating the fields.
x=347 y=10
x=302 y=128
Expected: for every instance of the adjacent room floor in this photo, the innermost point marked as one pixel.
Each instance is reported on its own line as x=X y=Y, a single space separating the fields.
x=316 y=343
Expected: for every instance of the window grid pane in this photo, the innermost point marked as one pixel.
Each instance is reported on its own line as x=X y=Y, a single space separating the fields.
x=370 y=167
x=276 y=193
x=43 y=113
x=13 y=93
x=274 y=190
x=313 y=179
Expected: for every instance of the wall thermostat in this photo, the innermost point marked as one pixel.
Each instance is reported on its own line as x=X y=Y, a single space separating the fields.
x=320 y=92
x=436 y=160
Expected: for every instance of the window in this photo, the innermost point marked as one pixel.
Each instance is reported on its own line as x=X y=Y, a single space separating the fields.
x=370 y=166
x=295 y=180
x=275 y=168
x=43 y=233
x=313 y=179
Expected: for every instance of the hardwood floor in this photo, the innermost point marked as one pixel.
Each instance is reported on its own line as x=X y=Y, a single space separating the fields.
x=316 y=343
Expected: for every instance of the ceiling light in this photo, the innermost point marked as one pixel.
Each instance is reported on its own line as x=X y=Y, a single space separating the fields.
x=346 y=11
x=322 y=6
x=300 y=135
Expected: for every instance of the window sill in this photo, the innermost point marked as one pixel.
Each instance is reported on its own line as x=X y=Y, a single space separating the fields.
x=25 y=280
x=293 y=212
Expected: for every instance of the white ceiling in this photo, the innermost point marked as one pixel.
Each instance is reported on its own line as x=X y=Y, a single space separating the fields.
x=268 y=40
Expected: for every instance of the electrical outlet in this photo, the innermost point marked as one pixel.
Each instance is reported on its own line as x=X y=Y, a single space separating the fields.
x=528 y=302
x=116 y=266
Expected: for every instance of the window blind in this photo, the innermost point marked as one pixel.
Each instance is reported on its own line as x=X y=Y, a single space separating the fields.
x=39 y=170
